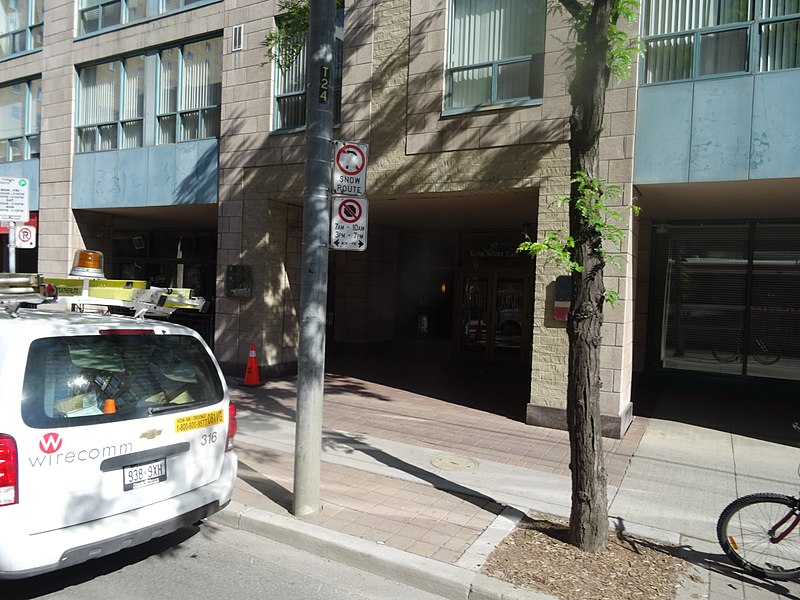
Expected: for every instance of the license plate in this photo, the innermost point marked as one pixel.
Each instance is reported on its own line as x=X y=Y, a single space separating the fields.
x=138 y=476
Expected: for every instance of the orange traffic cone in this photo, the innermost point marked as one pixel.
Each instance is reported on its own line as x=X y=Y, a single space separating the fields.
x=251 y=373
x=109 y=407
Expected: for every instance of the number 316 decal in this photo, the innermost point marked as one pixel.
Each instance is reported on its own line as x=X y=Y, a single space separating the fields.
x=209 y=438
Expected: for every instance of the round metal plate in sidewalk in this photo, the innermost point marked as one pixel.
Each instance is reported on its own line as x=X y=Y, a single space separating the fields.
x=451 y=462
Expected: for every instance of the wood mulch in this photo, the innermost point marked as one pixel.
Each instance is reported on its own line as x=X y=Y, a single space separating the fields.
x=537 y=555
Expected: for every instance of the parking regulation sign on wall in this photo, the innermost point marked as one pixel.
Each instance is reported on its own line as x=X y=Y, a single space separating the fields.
x=349 y=223
x=14 y=202
x=350 y=169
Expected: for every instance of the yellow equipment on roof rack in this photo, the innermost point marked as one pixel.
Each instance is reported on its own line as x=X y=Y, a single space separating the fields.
x=32 y=288
x=133 y=294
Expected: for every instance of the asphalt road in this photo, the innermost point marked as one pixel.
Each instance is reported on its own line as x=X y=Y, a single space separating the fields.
x=210 y=562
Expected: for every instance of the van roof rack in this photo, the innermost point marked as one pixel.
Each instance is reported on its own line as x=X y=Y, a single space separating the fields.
x=21 y=288
x=16 y=289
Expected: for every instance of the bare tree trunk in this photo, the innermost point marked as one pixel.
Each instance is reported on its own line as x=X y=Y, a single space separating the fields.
x=589 y=513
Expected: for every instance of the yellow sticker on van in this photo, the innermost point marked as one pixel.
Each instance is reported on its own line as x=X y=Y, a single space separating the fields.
x=184 y=424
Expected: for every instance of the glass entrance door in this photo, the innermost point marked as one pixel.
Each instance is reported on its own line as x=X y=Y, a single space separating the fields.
x=494 y=314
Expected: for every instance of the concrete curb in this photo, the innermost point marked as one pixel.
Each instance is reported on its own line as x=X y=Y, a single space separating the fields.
x=448 y=581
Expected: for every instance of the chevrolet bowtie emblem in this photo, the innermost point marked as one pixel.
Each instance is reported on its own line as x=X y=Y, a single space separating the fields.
x=150 y=434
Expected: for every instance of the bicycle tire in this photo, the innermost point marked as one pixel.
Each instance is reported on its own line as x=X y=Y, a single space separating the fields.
x=766 y=355
x=743 y=533
x=724 y=356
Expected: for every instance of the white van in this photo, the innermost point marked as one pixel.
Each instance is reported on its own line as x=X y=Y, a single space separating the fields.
x=113 y=430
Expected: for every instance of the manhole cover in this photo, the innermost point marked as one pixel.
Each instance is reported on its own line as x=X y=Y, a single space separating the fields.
x=451 y=462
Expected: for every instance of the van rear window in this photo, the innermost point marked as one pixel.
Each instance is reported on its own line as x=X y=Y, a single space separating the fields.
x=79 y=380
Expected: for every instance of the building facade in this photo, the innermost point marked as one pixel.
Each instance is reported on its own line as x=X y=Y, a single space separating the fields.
x=159 y=133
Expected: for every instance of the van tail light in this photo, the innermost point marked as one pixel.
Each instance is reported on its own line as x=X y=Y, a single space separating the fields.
x=233 y=425
x=9 y=493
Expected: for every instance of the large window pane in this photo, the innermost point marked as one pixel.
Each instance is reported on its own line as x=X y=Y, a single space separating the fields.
x=12 y=110
x=669 y=59
x=111 y=14
x=136 y=9
x=35 y=106
x=133 y=103
x=99 y=93
x=780 y=45
x=168 y=88
x=774 y=334
x=701 y=279
x=780 y=8
x=724 y=52
x=727 y=299
x=491 y=30
x=90 y=20
x=202 y=74
x=20 y=117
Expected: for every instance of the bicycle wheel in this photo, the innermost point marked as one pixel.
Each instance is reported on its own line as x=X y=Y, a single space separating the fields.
x=724 y=356
x=746 y=530
x=766 y=354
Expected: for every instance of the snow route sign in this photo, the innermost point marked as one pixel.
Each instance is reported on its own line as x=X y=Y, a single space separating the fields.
x=350 y=169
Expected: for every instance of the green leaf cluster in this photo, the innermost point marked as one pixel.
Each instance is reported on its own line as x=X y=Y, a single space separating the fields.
x=622 y=49
x=594 y=196
x=284 y=42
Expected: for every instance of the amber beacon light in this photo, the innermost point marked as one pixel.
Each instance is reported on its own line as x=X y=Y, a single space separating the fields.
x=87 y=263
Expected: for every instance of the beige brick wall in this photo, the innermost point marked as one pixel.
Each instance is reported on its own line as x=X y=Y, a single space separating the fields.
x=59 y=233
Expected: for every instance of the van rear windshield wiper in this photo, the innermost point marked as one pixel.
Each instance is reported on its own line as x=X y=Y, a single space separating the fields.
x=164 y=408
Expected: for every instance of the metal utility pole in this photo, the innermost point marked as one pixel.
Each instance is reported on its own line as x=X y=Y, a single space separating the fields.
x=314 y=277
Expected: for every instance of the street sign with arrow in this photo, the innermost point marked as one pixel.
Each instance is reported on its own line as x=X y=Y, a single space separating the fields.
x=349 y=223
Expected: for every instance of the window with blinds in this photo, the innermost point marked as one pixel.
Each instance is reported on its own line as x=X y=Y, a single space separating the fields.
x=20 y=120
x=21 y=24
x=111 y=105
x=685 y=39
x=726 y=299
x=190 y=91
x=98 y=15
x=290 y=84
x=119 y=108
x=496 y=52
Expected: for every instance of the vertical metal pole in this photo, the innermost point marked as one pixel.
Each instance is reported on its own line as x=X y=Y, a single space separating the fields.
x=314 y=277
x=12 y=247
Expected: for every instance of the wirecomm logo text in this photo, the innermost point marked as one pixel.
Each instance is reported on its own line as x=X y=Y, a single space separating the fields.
x=87 y=454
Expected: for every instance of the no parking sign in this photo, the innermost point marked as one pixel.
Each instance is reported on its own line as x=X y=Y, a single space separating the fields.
x=26 y=237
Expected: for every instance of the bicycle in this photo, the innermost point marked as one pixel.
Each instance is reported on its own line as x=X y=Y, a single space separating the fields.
x=759 y=533
x=767 y=353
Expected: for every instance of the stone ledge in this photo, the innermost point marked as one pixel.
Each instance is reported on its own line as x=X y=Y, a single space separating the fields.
x=612 y=426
